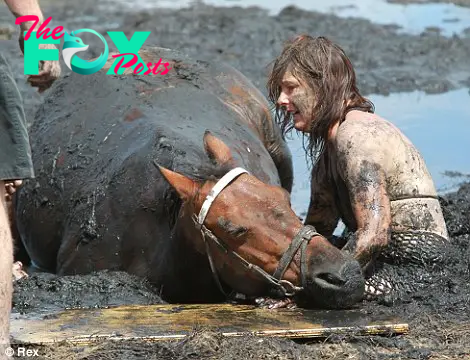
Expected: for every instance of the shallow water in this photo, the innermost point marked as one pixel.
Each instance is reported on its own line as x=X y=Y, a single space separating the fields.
x=412 y=18
x=438 y=125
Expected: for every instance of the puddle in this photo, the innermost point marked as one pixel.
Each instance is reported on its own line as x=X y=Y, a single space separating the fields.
x=438 y=125
x=412 y=18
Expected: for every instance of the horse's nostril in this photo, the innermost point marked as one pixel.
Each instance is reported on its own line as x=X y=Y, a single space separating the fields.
x=337 y=286
x=331 y=279
x=351 y=270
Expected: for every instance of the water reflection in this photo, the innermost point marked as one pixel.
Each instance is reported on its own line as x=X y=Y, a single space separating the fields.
x=438 y=125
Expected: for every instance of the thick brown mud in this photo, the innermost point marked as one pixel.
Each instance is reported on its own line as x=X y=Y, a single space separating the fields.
x=438 y=315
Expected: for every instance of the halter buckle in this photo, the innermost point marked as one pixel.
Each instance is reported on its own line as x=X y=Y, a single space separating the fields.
x=288 y=288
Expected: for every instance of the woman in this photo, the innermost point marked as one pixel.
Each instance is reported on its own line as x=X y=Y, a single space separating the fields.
x=366 y=172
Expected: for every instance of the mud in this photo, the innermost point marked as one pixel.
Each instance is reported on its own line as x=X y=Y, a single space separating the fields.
x=249 y=39
x=47 y=292
x=465 y=3
x=438 y=315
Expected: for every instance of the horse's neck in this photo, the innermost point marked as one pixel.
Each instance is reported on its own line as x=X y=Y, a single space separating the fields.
x=188 y=268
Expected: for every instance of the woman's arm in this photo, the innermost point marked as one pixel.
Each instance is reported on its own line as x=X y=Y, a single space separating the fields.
x=322 y=211
x=50 y=69
x=25 y=7
x=361 y=165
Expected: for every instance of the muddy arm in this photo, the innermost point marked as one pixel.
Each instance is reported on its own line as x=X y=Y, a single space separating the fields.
x=322 y=211
x=360 y=168
x=279 y=151
x=50 y=69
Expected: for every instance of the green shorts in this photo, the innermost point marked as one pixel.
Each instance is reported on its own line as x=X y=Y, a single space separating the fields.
x=15 y=149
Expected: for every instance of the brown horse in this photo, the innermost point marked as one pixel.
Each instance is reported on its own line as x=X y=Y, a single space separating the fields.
x=250 y=232
x=100 y=202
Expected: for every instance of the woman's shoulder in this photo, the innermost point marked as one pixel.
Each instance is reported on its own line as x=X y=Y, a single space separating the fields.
x=364 y=126
x=365 y=135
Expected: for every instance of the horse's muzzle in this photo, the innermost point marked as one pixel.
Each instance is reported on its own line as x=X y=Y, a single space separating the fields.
x=336 y=287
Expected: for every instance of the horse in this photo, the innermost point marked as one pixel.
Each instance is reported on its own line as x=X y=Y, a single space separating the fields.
x=183 y=179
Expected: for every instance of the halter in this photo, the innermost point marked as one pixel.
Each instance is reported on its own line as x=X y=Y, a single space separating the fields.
x=301 y=240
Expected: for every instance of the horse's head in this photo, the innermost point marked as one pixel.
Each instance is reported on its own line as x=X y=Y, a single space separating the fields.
x=254 y=239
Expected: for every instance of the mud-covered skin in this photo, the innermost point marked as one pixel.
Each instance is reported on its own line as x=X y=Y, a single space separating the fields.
x=384 y=195
x=98 y=201
x=239 y=36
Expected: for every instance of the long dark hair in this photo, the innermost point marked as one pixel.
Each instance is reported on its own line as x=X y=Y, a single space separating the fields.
x=326 y=69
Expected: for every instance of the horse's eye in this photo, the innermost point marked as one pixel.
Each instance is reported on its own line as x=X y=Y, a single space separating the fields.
x=239 y=231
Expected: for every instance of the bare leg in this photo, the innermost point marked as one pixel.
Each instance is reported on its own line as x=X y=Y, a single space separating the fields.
x=10 y=187
x=6 y=265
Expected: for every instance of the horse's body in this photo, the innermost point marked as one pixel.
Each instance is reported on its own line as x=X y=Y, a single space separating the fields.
x=98 y=200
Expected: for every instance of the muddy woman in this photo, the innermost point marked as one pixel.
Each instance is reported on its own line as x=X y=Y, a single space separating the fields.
x=365 y=171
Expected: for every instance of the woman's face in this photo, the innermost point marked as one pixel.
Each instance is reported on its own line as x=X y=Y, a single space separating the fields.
x=298 y=99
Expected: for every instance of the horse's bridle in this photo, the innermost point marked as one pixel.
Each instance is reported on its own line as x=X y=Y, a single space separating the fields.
x=301 y=240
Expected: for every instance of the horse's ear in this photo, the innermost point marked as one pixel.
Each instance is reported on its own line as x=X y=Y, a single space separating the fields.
x=184 y=186
x=217 y=149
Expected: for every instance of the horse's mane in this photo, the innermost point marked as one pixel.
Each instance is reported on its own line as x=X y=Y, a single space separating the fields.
x=211 y=171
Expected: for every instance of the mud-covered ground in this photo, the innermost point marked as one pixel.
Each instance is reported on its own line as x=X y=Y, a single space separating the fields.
x=438 y=316
x=249 y=39
x=456 y=2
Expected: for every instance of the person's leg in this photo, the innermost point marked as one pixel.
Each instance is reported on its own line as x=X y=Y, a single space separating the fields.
x=6 y=264
x=15 y=164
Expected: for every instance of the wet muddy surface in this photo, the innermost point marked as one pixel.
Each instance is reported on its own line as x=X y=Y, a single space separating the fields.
x=438 y=315
x=443 y=16
x=88 y=291
x=456 y=2
x=387 y=62
x=249 y=38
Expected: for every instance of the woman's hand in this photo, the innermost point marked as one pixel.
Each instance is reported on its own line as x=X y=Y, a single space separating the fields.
x=270 y=303
x=49 y=70
x=11 y=187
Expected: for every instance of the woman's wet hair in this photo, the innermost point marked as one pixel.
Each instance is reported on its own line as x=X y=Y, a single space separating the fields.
x=323 y=66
